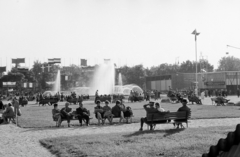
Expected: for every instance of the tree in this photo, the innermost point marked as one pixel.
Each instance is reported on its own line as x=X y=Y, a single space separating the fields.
x=133 y=75
x=229 y=64
x=163 y=69
x=44 y=76
x=190 y=67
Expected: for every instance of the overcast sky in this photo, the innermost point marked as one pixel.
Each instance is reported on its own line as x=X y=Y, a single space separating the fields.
x=130 y=32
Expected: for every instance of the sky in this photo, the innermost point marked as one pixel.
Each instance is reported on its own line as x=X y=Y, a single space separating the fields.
x=129 y=32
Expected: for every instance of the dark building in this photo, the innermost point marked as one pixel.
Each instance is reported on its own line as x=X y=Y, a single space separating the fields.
x=229 y=80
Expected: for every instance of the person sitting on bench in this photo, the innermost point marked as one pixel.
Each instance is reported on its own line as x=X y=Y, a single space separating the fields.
x=149 y=110
x=127 y=111
x=99 y=113
x=160 y=109
x=82 y=114
x=8 y=113
x=183 y=108
x=107 y=112
x=66 y=113
x=117 y=111
x=56 y=114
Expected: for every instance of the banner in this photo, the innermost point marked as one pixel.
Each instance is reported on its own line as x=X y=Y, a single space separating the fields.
x=106 y=61
x=18 y=60
x=66 y=78
x=54 y=60
x=83 y=62
x=30 y=85
x=25 y=85
x=22 y=69
x=57 y=60
x=9 y=84
x=50 y=61
x=2 y=69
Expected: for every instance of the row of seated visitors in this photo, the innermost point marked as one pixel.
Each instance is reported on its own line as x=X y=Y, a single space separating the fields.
x=149 y=108
x=103 y=98
x=66 y=113
x=117 y=111
x=101 y=113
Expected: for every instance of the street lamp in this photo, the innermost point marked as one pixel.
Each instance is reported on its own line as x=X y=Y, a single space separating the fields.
x=195 y=33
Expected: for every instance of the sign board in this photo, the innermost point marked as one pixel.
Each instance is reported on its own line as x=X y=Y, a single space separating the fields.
x=216 y=83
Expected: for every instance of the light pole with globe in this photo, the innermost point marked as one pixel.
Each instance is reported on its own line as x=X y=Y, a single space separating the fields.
x=195 y=33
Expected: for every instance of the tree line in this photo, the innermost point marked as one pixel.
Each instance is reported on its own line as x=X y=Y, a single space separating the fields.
x=74 y=75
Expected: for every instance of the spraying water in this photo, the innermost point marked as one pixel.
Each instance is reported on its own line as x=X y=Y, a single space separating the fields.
x=120 y=83
x=103 y=79
x=57 y=85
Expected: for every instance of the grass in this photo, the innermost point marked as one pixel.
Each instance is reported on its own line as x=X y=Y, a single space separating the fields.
x=191 y=142
x=41 y=116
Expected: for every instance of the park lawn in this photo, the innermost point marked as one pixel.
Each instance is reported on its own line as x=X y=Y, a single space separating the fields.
x=190 y=142
x=41 y=116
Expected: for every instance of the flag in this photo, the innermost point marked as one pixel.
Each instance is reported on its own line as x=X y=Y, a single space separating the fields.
x=203 y=70
x=54 y=60
x=18 y=60
x=50 y=61
x=57 y=60
x=2 y=69
x=22 y=69
x=106 y=61
x=83 y=62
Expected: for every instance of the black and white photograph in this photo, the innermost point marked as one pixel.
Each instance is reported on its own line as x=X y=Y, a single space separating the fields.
x=119 y=78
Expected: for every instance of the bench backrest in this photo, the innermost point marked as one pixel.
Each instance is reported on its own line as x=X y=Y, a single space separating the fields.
x=168 y=115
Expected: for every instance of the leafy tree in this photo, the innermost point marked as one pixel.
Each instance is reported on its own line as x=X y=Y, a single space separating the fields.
x=190 y=67
x=229 y=64
x=163 y=69
x=135 y=74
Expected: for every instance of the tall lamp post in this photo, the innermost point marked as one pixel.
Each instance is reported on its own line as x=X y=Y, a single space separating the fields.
x=195 y=33
x=227 y=54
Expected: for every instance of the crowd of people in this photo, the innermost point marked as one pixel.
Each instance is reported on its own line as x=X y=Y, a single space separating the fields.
x=101 y=113
x=9 y=111
x=155 y=107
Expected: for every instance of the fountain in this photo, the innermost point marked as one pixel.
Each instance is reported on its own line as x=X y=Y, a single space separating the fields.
x=120 y=83
x=103 y=79
x=57 y=84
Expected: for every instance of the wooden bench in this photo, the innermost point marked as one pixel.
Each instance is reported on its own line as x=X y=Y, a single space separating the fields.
x=48 y=101
x=164 y=117
x=74 y=117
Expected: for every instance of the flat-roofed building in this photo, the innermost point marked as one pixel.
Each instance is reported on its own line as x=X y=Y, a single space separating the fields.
x=229 y=80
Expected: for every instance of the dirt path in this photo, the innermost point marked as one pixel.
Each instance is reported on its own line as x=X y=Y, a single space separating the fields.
x=25 y=142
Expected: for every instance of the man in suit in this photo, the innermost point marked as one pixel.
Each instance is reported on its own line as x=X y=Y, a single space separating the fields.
x=66 y=113
x=82 y=114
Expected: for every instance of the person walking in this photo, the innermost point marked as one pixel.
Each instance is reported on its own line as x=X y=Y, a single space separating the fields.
x=238 y=92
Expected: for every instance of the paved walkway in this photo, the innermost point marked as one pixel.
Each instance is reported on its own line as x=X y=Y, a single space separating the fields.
x=21 y=142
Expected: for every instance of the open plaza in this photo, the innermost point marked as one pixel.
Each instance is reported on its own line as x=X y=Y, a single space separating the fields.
x=119 y=78
x=37 y=134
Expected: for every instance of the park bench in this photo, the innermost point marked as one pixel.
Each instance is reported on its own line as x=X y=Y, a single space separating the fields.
x=165 y=117
x=73 y=100
x=48 y=101
x=135 y=98
x=194 y=99
x=74 y=117
x=219 y=101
